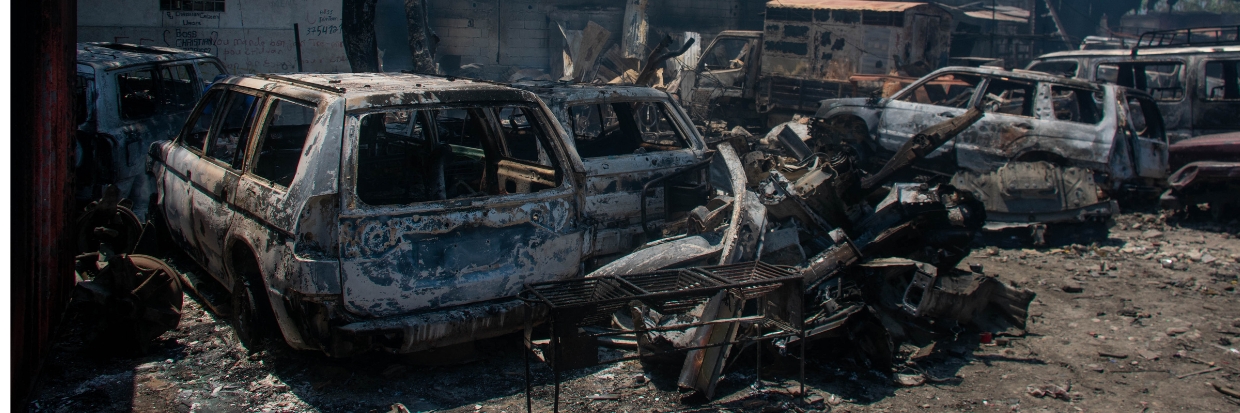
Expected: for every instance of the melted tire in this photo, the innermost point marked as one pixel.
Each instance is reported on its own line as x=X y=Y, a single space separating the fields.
x=251 y=309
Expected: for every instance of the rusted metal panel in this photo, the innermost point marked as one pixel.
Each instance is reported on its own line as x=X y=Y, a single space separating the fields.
x=42 y=240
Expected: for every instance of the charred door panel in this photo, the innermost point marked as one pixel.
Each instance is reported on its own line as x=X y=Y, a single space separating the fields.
x=179 y=164
x=1146 y=130
x=396 y=263
x=215 y=180
x=449 y=206
x=614 y=184
x=182 y=160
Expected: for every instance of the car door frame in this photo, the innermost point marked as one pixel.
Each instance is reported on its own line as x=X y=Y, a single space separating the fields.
x=176 y=185
x=913 y=121
x=613 y=183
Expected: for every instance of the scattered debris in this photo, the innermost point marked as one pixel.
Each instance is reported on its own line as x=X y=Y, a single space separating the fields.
x=1212 y=369
x=1050 y=390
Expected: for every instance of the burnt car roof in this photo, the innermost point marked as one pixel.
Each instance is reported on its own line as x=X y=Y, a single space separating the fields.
x=562 y=91
x=1018 y=74
x=365 y=90
x=1152 y=51
x=106 y=55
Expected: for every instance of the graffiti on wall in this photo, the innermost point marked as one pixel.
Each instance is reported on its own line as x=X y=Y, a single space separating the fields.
x=315 y=27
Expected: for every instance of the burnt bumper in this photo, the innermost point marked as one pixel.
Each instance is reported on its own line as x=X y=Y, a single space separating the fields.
x=423 y=331
x=1003 y=220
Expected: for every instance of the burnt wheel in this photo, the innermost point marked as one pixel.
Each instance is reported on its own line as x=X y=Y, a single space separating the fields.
x=251 y=309
x=116 y=228
x=159 y=295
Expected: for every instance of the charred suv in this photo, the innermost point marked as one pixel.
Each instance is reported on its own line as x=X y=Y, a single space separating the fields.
x=127 y=97
x=403 y=212
x=1046 y=148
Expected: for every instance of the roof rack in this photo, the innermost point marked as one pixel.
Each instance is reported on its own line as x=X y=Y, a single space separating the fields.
x=1194 y=36
x=300 y=82
x=133 y=48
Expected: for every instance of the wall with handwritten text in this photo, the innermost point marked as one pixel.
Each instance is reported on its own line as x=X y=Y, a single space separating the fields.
x=256 y=36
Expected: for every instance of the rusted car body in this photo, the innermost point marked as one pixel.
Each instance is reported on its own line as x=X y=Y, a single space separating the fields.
x=1197 y=88
x=404 y=212
x=1207 y=171
x=127 y=97
x=1047 y=149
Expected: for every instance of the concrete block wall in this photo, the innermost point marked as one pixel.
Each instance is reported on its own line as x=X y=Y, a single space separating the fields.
x=466 y=28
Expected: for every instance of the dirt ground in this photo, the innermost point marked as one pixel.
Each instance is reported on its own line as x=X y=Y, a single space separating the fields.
x=1125 y=314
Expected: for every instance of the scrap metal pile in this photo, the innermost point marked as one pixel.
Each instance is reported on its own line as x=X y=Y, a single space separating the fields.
x=879 y=260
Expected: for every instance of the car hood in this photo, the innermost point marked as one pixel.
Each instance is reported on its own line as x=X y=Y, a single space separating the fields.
x=1218 y=147
x=829 y=104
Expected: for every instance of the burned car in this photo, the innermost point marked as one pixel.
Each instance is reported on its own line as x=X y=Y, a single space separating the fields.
x=626 y=136
x=1046 y=148
x=404 y=212
x=1207 y=171
x=1191 y=73
x=127 y=97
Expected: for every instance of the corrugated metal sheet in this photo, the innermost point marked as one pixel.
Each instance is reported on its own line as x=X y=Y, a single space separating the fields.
x=844 y=5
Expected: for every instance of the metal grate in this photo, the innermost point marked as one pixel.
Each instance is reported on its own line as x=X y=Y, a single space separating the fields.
x=681 y=289
x=589 y=301
x=753 y=279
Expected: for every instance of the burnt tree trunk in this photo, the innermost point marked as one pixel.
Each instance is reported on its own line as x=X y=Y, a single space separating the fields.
x=422 y=40
x=358 y=31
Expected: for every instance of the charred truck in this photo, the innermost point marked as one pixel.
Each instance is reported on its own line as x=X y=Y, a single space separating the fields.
x=812 y=50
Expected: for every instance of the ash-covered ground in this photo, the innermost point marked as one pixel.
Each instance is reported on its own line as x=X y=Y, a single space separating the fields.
x=1140 y=314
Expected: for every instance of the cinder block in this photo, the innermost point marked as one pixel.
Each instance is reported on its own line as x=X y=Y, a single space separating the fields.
x=446 y=22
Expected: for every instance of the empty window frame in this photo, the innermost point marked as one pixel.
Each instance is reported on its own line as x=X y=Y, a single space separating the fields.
x=178 y=87
x=138 y=93
x=950 y=90
x=207 y=72
x=1076 y=105
x=1009 y=98
x=1065 y=68
x=623 y=128
x=416 y=155
x=233 y=131
x=194 y=136
x=284 y=135
x=397 y=160
x=1144 y=117
x=1222 y=80
x=1162 y=80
